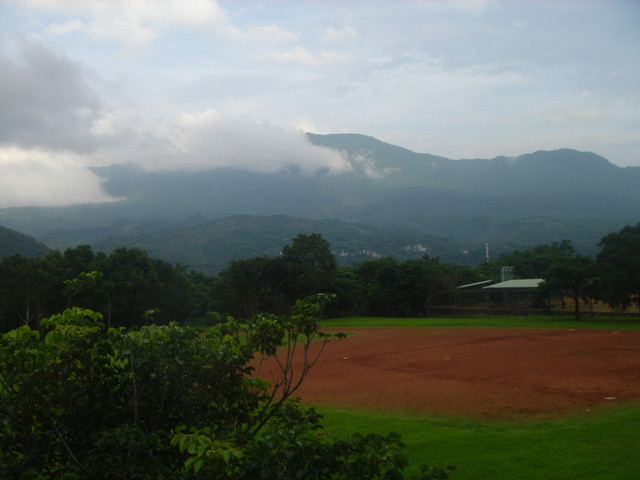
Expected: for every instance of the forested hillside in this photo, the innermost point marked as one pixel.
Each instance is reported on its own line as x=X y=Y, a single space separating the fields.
x=208 y=246
x=12 y=242
x=509 y=203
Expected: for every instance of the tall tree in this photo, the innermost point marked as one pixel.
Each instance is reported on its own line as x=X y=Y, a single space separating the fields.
x=310 y=266
x=535 y=262
x=571 y=275
x=130 y=281
x=619 y=267
x=29 y=290
x=243 y=287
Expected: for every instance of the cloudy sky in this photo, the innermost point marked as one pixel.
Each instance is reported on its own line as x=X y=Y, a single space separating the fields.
x=191 y=84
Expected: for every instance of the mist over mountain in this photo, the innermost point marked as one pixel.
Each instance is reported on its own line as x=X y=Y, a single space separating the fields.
x=508 y=202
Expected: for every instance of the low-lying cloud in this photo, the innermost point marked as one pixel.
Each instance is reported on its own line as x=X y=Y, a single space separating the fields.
x=38 y=178
x=54 y=128
x=210 y=140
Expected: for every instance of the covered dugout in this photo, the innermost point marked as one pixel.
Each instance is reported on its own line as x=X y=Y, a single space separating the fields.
x=508 y=297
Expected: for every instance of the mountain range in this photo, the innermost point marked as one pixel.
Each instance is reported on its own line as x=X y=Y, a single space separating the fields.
x=412 y=203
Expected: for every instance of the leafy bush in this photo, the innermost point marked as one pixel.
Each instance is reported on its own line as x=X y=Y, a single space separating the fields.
x=163 y=402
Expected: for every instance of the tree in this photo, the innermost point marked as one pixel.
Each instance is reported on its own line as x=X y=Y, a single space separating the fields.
x=381 y=291
x=565 y=273
x=81 y=401
x=572 y=275
x=28 y=290
x=535 y=262
x=619 y=267
x=130 y=280
x=84 y=281
x=414 y=287
x=247 y=287
x=259 y=284
x=309 y=265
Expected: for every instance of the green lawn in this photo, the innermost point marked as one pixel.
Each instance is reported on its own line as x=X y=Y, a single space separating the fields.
x=487 y=322
x=602 y=444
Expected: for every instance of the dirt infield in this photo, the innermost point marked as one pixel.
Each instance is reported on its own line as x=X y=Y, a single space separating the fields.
x=487 y=373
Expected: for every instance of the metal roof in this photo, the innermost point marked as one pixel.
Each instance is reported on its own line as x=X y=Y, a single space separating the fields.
x=472 y=285
x=521 y=283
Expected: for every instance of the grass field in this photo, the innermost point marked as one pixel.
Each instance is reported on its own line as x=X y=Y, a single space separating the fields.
x=487 y=322
x=601 y=444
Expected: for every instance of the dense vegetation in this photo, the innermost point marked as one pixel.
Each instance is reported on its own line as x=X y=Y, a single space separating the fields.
x=80 y=401
x=133 y=394
x=127 y=283
x=212 y=244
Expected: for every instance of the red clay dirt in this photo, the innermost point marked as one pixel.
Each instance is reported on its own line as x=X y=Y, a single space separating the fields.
x=485 y=373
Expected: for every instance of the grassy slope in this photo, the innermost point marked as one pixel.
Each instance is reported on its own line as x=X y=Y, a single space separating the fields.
x=596 y=445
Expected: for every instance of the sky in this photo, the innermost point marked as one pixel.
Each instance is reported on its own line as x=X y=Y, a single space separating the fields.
x=197 y=84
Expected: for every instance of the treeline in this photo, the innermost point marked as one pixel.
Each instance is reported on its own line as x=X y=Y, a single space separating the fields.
x=124 y=285
x=132 y=289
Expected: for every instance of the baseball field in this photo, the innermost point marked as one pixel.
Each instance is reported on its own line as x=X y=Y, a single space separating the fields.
x=519 y=399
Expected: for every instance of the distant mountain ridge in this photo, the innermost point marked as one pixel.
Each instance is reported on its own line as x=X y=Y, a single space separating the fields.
x=507 y=202
x=563 y=170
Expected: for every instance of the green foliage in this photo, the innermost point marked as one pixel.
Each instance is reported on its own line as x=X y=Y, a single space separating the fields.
x=123 y=284
x=414 y=287
x=295 y=447
x=573 y=276
x=535 y=262
x=249 y=286
x=309 y=265
x=79 y=400
x=619 y=265
x=12 y=243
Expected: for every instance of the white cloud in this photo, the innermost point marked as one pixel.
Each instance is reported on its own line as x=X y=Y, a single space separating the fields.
x=39 y=178
x=207 y=139
x=298 y=55
x=65 y=28
x=472 y=5
x=301 y=56
x=136 y=23
x=567 y=114
x=132 y=23
x=424 y=74
x=269 y=34
x=345 y=32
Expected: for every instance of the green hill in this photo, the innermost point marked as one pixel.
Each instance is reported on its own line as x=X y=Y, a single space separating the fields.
x=210 y=245
x=12 y=242
x=508 y=202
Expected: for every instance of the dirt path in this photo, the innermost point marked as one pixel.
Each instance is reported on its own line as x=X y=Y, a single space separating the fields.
x=489 y=373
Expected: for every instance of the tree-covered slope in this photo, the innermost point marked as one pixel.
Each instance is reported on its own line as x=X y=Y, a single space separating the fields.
x=209 y=246
x=12 y=242
x=508 y=202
